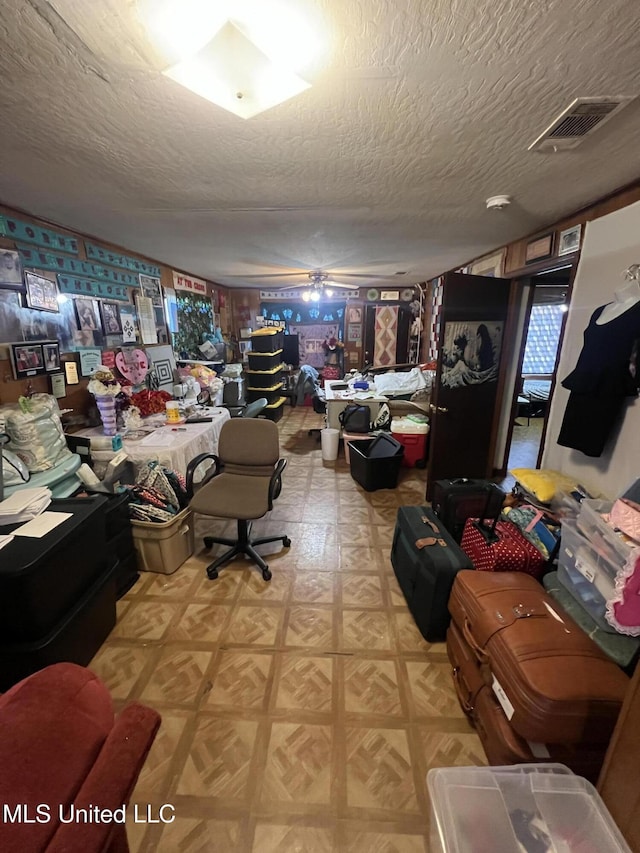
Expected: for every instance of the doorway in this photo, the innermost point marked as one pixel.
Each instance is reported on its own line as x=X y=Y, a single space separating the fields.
x=547 y=296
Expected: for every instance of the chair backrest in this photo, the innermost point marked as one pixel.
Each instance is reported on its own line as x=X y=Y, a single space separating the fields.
x=249 y=446
x=255 y=408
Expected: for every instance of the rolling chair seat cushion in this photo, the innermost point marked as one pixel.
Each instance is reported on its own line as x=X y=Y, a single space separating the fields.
x=233 y=496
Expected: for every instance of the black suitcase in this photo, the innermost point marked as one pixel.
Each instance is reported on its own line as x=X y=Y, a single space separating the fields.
x=454 y=501
x=426 y=560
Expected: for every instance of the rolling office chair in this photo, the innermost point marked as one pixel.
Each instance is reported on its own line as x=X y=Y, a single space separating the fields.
x=243 y=483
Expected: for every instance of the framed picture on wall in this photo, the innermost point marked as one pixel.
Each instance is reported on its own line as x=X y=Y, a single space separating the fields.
x=51 y=353
x=111 y=323
x=491 y=266
x=569 y=240
x=10 y=269
x=539 y=249
x=42 y=293
x=87 y=314
x=26 y=360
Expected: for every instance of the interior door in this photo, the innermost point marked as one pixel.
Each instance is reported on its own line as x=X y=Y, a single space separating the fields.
x=471 y=358
x=386 y=333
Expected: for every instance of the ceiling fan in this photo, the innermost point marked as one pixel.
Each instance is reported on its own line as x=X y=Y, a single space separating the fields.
x=319 y=285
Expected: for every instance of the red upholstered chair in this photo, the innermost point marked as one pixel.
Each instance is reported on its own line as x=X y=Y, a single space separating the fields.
x=61 y=745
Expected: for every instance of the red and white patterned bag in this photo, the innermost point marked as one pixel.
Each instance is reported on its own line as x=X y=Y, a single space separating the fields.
x=500 y=548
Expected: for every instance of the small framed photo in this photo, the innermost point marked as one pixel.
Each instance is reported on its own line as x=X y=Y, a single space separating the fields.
x=42 y=293
x=569 y=240
x=111 y=322
x=245 y=333
x=10 y=269
x=51 y=356
x=87 y=314
x=355 y=314
x=26 y=360
x=491 y=266
x=539 y=249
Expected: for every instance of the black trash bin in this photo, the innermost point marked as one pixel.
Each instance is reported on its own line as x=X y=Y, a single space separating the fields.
x=375 y=462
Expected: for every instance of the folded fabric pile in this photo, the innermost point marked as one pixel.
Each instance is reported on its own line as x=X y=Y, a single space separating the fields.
x=158 y=494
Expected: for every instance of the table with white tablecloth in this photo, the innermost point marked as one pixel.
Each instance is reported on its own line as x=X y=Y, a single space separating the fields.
x=172 y=445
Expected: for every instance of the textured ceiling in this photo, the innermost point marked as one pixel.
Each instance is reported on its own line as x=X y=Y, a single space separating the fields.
x=423 y=110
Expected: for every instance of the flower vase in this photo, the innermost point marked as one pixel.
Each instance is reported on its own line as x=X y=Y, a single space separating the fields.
x=107 y=409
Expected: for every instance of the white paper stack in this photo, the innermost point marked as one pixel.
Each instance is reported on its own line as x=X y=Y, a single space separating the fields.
x=24 y=505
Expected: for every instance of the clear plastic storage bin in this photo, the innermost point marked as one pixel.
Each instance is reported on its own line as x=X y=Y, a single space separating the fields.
x=588 y=575
x=602 y=536
x=522 y=807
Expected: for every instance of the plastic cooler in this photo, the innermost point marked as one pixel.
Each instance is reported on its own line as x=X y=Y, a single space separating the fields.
x=163 y=547
x=375 y=462
x=413 y=437
x=542 y=807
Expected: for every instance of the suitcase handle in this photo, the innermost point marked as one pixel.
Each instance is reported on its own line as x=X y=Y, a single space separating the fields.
x=478 y=651
x=466 y=706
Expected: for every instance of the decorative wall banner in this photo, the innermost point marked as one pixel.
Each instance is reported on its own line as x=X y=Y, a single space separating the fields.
x=27 y=232
x=114 y=259
x=187 y=282
x=49 y=261
x=101 y=289
x=304 y=312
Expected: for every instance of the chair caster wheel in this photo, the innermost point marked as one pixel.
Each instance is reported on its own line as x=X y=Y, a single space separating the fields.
x=286 y=542
x=266 y=575
x=208 y=541
x=212 y=574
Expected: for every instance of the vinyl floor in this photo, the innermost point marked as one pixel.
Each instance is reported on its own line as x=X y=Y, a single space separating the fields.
x=300 y=714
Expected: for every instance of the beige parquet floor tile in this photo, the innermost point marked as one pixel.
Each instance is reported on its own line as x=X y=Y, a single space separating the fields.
x=362 y=590
x=285 y=838
x=379 y=771
x=431 y=689
x=301 y=714
x=219 y=759
x=240 y=681
x=120 y=666
x=451 y=749
x=305 y=684
x=310 y=627
x=178 y=677
x=366 y=630
x=200 y=623
x=175 y=586
x=148 y=620
x=156 y=771
x=254 y=625
x=195 y=835
x=314 y=588
x=371 y=687
x=361 y=841
x=298 y=766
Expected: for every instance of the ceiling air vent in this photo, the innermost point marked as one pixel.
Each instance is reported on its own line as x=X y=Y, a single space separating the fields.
x=579 y=120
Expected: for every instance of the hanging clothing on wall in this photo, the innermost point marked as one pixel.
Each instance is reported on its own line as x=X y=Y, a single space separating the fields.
x=600 y=382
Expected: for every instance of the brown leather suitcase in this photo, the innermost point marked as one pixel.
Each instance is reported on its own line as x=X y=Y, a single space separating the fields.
x=554 y=684
x=502 y=745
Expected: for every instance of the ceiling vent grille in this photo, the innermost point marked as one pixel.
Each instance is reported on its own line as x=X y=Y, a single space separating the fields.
x=579 y=120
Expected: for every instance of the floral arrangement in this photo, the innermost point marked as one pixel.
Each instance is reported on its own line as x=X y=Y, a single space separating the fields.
x=103 y=383
x=150 y=402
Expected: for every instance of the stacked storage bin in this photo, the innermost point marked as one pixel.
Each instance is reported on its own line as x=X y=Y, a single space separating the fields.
x=264 y=376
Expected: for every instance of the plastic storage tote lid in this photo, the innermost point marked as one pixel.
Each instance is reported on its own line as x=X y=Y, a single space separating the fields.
x=267 y=330
x=403 y=426
x=522 y=807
